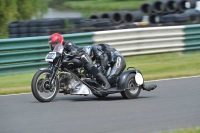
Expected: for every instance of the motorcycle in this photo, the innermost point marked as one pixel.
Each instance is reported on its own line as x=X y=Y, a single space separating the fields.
x=65 y=74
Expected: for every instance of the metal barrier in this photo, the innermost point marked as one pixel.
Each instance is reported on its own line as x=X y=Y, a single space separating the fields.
x=27 y=54
x=144 y=40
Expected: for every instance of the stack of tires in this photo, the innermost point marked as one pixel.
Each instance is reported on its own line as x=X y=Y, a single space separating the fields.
x=170 y=11
x=120 y=16
x=108 y=21
x=31 y=28
x=85 y=25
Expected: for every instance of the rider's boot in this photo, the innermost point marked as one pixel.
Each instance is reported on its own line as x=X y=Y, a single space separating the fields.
x=149 y=87
x=101 y=78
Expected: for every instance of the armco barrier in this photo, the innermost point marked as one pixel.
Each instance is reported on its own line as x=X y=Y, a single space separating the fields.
x=19 y=55
x=145 y=40
x=27 y=54
x=152 y=40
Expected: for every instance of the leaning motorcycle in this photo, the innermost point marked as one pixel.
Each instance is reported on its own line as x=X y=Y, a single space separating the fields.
x=65 y=74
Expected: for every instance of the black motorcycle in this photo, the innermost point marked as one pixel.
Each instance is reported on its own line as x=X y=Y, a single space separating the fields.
x=67 y=75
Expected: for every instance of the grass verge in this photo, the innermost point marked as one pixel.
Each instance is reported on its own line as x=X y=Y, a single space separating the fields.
x=89 y=7
x=189 y=130
x=158 y=66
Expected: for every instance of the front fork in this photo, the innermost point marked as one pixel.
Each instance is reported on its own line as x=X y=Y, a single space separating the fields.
x=55 y=69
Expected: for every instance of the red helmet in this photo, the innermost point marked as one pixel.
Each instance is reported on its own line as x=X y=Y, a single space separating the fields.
x=54 y=39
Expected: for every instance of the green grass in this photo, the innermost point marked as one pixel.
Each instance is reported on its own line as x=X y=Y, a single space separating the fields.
x=159 y=66
x=89 y=7
x=166 y=65
x=189 y=130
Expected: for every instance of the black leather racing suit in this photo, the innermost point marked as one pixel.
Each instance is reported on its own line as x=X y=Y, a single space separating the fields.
x=105 y=55
x=88 y=65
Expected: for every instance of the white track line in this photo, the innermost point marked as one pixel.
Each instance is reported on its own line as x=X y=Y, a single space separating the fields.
x=174 y=78
x=14 y=94
x=145 y=81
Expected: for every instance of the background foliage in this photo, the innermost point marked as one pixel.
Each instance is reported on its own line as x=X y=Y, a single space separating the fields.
x=12 y=10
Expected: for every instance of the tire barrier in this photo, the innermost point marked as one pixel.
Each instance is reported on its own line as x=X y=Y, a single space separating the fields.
x=134 y=16
x=108 y=15
x=154 y=19
x=189 y=16
x=159 y=6
x=95 y=16
x=93 y=23
x=147 y=8
x=120 y=17
x=158 y=12
x=167 y=6
x=181 y=5
x=30 y=28
x=27 y=54
x=171 y=6
x=75 y=20
x=171 y=11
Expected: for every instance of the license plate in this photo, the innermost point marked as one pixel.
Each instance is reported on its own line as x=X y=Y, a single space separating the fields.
x=50 y=56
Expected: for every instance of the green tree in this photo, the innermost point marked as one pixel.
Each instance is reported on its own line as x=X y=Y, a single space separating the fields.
x=12 y=10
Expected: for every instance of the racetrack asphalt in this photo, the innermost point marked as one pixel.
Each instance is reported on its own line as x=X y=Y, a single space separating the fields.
x=175 y=104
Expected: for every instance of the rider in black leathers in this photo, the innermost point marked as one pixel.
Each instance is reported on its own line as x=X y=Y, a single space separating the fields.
x=88 y=64
x=73 y=49
x=105 y=56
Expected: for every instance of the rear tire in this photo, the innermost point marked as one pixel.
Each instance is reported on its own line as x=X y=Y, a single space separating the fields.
x=38 y=86
x=134 y=91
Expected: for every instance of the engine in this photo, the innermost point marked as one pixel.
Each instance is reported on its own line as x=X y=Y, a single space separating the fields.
x=70 y=85
x=67 y=82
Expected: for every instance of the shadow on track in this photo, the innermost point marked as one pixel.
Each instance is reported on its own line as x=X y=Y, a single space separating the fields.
x=93 y=98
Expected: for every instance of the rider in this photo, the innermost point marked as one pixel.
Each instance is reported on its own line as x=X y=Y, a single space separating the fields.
x=105 y=56
x=73 y=49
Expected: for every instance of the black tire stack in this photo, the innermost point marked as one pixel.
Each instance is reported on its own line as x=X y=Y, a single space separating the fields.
x=31 y=28
x=170 y=11
x=120 y=16
x=91 y=24
x=107 y=21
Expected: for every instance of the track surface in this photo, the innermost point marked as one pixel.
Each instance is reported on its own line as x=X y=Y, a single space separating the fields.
x=173 y=105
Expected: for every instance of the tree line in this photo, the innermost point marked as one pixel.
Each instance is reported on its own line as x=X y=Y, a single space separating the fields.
x=13 y=10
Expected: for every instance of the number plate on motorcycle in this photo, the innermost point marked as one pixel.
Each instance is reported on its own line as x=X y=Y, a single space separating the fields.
x=50 y=56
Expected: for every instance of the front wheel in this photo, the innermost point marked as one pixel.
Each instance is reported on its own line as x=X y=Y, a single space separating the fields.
x=133 y=89
x=41 y=88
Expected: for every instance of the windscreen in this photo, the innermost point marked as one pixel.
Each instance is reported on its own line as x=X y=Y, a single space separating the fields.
x=58 y=48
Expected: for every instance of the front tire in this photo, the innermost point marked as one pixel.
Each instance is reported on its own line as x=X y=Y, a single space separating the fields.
x=39 y=86
x=134 y=90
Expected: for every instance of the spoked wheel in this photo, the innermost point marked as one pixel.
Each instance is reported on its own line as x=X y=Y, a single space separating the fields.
x=41 y=88
x=133 y=90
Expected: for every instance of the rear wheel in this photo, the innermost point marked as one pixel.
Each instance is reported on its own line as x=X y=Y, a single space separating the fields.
x=41 y=88
x=133 y=90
